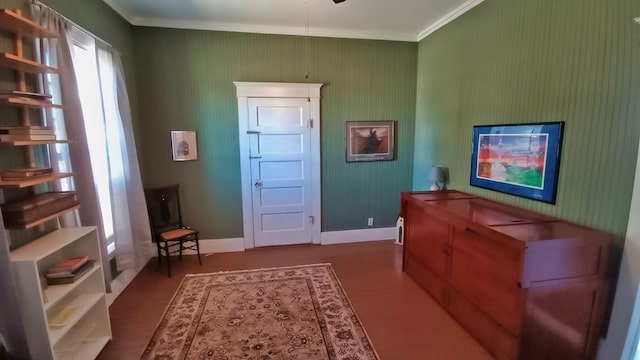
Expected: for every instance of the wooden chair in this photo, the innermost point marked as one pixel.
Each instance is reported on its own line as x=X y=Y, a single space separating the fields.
x=168 y=231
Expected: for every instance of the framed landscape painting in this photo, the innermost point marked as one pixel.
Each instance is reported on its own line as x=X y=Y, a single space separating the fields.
x=518 y=159
x=369 y=140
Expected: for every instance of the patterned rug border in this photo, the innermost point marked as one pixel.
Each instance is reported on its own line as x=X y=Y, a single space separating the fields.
x=259 y=269
x=329 y=265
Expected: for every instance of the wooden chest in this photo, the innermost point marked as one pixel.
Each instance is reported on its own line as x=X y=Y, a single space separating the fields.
x=525 y=285
x=36 y=207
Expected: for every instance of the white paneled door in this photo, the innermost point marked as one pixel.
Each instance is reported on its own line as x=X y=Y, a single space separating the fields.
x=279 y=132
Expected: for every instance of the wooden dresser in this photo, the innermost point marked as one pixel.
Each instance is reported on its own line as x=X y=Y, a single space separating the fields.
x=525 y=285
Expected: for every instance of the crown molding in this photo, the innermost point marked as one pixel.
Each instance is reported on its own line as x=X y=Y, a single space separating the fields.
x=120 y=10
x=286 y=30
x=448 y=18
x=265 y=29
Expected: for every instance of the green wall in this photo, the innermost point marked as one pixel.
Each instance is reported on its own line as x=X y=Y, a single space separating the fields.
x=515 y=61
x=186 y=79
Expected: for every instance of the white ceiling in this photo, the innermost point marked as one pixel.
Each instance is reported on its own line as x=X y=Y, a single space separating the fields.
x=405 y=20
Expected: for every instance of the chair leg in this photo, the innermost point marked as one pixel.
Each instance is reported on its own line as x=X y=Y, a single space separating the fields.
x=159 y=253
x=198 y=249
x=166 y=244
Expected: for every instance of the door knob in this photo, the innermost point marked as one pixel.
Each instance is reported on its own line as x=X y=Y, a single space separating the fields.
x=258 y=184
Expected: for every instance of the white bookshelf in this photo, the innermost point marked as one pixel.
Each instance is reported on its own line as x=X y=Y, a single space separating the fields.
x=69 y=321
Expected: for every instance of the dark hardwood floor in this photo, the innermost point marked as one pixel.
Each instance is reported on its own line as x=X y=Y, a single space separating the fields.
x=403 y=322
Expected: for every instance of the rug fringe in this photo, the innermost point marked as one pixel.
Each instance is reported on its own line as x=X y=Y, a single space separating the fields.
x=260 y=269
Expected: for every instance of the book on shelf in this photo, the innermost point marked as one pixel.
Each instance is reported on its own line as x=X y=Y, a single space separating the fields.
x=26 y=137
x=26 y=99
x=57 y=279
x=25 y=94
x=68 y=265
x=27 y=130
x=24 y=173
x=28 y=127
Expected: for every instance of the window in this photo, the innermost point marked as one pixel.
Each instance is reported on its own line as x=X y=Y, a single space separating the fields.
x=95 y=77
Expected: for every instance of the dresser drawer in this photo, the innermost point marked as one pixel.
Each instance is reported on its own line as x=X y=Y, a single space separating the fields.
x=495 y=338
x=488 y=272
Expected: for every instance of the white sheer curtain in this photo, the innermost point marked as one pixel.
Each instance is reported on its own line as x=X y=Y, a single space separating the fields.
x=128 y=223
x=60 y=52
x=133 y=247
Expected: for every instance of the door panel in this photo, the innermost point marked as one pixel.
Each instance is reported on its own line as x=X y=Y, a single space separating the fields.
x=279 y=115
x=280 y=170
x=282 y=196
x=282 y=221
x=281 y=143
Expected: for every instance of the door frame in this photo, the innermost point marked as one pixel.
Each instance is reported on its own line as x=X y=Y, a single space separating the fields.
x=311 y=91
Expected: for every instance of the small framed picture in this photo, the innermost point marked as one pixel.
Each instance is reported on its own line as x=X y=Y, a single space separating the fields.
x=184 y=146
x=370 y=140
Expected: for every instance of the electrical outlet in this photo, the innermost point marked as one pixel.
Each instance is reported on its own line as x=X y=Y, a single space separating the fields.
x=370 y=222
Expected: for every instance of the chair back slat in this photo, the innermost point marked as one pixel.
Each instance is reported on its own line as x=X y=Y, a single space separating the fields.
x=163 y=206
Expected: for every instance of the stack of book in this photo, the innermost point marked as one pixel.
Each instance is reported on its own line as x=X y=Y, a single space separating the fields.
x=26 y=133
x=24 y=173
x=35 y=207
x=69 y=270
x=4 y=94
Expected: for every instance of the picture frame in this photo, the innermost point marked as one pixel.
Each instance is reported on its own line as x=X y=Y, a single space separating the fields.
x=184 y=146
x=518 y=159
x=370 y=140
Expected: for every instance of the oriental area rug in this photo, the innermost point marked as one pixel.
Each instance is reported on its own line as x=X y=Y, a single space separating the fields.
x=292 y=313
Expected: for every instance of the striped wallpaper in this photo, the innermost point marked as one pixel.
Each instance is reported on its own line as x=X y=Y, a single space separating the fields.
x=186 y=83
x=520 y=61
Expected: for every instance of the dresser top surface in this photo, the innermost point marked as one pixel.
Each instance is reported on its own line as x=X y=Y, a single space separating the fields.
x=517 y=223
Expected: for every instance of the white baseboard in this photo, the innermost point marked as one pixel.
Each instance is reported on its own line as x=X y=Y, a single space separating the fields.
x=360 y=235
x=219 y=246
x=208 y=246
x=326 y=238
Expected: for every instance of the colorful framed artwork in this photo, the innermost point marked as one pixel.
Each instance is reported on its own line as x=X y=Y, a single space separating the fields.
x=369 y=140
x=184 y=146
x=518 y=159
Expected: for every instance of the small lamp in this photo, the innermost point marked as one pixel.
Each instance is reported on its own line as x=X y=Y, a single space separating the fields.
x=437 y=175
